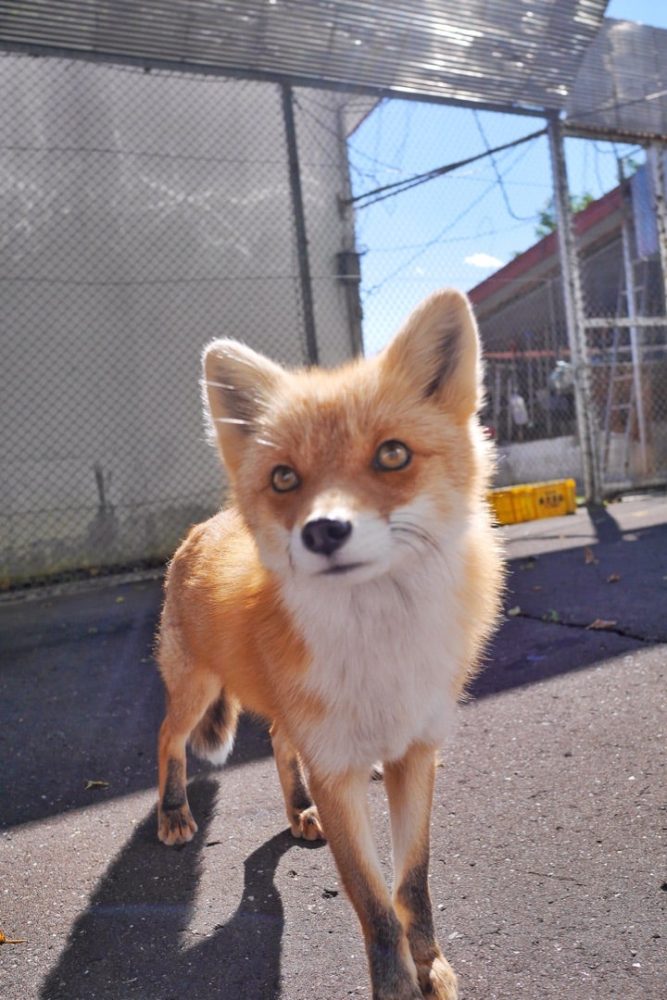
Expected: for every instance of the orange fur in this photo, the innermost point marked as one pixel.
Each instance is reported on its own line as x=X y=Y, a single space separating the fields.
x=259 y=617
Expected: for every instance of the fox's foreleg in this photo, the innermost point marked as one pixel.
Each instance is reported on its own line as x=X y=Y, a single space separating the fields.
x=409 y=782
x=343 y=807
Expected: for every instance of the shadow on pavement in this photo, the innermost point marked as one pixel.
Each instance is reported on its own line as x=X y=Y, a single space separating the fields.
x=129 y=941
x=617 y=584
x=81 y=698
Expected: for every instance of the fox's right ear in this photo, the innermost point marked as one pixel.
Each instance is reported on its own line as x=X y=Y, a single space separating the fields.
x=237 y=386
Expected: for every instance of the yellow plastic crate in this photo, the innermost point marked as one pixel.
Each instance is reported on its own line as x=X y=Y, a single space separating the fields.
x=513 y=504
x=554 y=498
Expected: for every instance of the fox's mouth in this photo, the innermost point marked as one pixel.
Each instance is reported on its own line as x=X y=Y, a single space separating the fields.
x=342 y=568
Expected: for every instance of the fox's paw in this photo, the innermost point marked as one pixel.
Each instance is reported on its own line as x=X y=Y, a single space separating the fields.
x=437 y=979
x=176 y=826
x=307 y=825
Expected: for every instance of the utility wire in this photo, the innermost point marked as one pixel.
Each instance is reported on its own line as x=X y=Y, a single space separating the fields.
x=388 y=190
x=438 y=237
x=503 y=190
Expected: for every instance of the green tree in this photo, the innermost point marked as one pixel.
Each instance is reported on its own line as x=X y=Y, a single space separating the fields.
x=547 y=215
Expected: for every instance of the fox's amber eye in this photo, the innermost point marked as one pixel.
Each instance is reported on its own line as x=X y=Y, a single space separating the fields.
x=284 y=479
x=392 y=455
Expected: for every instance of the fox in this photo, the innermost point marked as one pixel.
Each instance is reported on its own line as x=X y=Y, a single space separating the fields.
x=345 y=595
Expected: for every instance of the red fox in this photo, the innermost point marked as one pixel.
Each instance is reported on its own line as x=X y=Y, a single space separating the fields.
x=345 y=597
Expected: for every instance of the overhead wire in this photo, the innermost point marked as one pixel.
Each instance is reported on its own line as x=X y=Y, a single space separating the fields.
x=503 y=191
x=424 y=247
x=389 y=190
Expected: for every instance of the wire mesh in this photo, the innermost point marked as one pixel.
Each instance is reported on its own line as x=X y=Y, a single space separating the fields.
x=147 y=211
x=476 y=210
x=625 y=322
x=144 y=213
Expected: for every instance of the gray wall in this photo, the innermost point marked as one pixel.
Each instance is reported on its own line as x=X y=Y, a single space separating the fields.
x=143 y=214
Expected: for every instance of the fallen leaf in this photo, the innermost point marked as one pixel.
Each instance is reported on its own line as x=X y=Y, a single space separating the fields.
x=513 y=612
x=613 y=578
x=6 y=940
x=589 y=558
x=601 y=623
x=551 y=616
x=95 y=783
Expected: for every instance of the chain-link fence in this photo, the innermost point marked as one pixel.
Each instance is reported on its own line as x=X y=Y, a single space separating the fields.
x=145 y=213
x=488 y=224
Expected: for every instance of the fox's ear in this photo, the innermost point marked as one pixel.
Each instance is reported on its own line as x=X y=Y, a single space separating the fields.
x=237 y=386
x=437 y=351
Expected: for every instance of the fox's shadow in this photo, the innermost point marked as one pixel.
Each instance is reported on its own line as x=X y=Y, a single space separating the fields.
x=126 y=945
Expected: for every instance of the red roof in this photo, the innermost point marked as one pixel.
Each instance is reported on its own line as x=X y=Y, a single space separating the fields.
x=545 y=248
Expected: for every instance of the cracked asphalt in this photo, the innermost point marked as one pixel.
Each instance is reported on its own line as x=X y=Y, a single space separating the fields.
x=548 y=869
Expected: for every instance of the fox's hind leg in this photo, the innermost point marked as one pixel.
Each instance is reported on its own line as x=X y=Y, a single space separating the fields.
x=187 y=703
x=302 y=815
x=409 y=783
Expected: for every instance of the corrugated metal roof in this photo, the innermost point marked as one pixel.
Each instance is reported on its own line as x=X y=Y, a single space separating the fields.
x=517 y=53
x=598 y=221
x=622 y=83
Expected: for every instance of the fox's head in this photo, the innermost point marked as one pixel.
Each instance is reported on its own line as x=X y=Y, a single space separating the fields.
x=353 y=472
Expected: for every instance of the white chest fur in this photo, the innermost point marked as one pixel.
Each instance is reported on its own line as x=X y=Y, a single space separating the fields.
x=385 y=655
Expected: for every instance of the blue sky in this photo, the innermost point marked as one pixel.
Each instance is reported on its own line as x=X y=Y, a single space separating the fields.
x=458 y=229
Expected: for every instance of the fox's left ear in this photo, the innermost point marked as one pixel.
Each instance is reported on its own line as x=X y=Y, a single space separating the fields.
x=437 y=351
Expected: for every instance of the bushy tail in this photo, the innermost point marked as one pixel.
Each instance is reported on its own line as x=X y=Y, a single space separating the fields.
x=213 y=736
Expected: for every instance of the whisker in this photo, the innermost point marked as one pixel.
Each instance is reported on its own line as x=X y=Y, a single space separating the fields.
x=409 y=527
x=232 y=420
x=218 y=385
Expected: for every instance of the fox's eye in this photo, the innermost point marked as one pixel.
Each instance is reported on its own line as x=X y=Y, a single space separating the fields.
x=284 y=479
x=392 y=455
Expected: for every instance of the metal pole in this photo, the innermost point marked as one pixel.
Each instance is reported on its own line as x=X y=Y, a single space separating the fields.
x=635 y=346
x=349 y=272
x=574 y=316
x=299 y=225
x=657 y=167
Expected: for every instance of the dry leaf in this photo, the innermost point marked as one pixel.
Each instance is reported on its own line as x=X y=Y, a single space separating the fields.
x=589 y=558
x=6 y=940
x=613 y=578
x=96 y=784
x=601 y=623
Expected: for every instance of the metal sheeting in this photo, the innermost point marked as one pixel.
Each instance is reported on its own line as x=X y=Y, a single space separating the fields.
x=518 y=53
x=621 y=87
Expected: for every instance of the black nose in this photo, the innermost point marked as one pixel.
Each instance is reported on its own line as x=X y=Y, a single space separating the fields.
x=324 y=535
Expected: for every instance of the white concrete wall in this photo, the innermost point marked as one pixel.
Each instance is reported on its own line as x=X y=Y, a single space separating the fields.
x=538 y=461
x=143 y=214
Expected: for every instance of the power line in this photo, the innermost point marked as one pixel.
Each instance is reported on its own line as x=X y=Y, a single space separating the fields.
x=436 y=239
x=503 y=191
x=388 y=190
x=454 y=239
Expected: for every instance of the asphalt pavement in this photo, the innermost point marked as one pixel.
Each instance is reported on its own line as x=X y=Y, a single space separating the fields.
x=548 y=870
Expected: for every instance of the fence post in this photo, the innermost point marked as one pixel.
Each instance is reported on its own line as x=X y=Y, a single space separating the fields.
x=657 y=168
x=299 y=225
x=574 y=316
x=348 y=260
